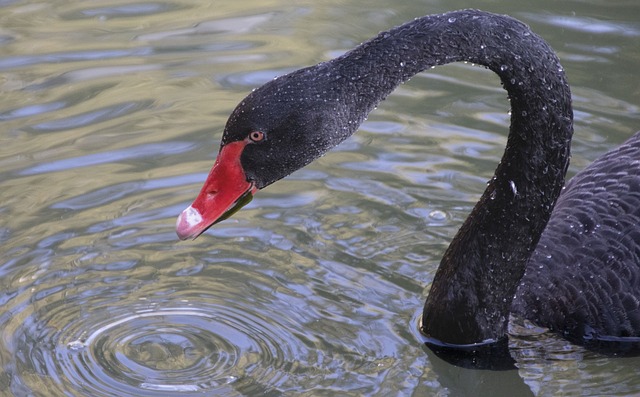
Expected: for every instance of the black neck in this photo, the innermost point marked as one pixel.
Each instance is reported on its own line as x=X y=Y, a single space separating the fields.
x=472 y=291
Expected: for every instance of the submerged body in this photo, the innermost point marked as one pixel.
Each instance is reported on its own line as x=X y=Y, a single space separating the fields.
x=575 y=271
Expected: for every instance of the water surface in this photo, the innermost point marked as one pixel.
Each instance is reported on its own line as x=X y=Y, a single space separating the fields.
x=110 y=117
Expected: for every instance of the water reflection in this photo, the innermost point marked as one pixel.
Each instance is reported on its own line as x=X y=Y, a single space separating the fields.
x=137 y=332
x=110 y=114
x=177 y=350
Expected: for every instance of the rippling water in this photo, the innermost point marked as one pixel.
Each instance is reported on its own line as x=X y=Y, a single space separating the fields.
x=111 y=113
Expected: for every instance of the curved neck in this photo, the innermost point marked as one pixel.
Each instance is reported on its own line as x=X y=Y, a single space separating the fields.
x=471 y=294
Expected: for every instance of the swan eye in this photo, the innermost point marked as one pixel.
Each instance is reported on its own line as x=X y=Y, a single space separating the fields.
x=257 y=136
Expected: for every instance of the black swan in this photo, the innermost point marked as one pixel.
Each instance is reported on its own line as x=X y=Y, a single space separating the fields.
x=566 y=258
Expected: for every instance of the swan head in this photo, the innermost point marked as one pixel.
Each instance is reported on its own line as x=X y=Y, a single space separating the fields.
x=276 y=130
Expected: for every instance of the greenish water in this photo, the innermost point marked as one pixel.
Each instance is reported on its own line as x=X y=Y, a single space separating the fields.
x=110 y=116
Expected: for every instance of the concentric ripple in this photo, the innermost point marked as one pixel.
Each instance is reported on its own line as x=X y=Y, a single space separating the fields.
x=166 y=350
x=177 y=350
x=212 y=349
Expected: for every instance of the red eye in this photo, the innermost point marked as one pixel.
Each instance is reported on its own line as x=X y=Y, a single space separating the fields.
x=256 y=136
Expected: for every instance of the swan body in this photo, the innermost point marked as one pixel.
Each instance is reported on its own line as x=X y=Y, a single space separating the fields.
x=583 y=279
x=566 y=261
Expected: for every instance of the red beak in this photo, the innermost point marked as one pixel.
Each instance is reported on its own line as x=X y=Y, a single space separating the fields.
x=225 y=191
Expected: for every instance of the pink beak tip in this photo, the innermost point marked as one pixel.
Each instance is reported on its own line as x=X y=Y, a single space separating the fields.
x=188 y=222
